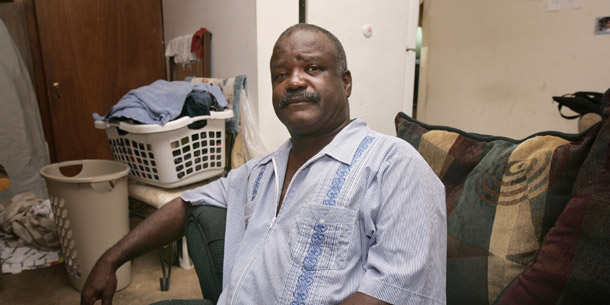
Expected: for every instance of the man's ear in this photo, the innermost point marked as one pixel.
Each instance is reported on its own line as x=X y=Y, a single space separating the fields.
x=347 y=82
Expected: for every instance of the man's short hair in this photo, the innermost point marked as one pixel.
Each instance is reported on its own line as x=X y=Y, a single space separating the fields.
x=339 y=51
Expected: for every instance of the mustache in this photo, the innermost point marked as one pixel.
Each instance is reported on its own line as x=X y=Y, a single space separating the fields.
x=298 y=94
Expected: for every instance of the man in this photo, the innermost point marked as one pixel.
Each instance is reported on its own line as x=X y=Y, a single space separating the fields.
x=339 y=214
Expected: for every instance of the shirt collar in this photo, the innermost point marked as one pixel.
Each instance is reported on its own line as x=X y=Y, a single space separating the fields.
x=342 y=147
x=346 y=142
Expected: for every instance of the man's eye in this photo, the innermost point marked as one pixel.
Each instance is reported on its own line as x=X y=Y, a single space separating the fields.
x=280 y=75
x=314 y=69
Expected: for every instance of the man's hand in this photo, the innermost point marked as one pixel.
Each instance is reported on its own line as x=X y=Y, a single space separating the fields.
x=101 y=284
x=360 y=298
x=160 y=228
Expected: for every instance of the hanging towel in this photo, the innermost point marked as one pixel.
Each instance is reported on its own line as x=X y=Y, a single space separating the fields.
x=180 y=49
x=197 y=42
x=159 y=102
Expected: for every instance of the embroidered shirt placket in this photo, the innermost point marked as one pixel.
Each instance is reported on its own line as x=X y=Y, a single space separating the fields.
x=273 y=220
x=308 y=268
x=277 y=192
x=262 y=244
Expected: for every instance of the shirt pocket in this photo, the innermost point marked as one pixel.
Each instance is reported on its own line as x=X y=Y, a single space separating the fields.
x=321 y=237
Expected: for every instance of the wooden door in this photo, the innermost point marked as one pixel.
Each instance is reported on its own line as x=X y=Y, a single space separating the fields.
x=94 y=52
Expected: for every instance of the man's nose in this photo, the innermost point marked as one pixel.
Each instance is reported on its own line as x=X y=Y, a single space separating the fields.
x=296 y=81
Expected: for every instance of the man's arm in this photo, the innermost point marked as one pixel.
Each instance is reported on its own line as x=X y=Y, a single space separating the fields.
x=160 y=228
x=360 y=298
x=406 y=260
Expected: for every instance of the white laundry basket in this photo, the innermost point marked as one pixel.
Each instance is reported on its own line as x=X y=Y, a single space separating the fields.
x=90 y=207
x=173 y=154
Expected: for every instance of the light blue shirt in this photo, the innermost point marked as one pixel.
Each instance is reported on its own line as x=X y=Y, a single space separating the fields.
x=366 y=214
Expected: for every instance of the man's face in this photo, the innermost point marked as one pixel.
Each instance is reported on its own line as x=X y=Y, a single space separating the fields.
x=309 y=94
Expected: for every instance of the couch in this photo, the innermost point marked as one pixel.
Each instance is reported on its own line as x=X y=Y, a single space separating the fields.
x=528 y=221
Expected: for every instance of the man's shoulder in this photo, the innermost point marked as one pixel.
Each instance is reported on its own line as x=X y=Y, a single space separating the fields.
x=253 y=163
x=398 y=153
x=392 y=144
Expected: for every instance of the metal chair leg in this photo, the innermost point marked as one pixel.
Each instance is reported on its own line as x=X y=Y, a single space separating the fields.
x=167 y=274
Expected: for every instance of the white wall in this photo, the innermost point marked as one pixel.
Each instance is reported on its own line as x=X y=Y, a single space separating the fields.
x=233 y=27
x=273 y=17
x=244 y=33
x=378 y=64
x=493 y=66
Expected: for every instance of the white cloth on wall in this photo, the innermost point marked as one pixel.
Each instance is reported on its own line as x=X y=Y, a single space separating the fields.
x=24 y=150
x=180 y=49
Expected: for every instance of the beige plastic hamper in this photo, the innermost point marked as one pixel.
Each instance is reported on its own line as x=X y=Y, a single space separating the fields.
x=90 y=205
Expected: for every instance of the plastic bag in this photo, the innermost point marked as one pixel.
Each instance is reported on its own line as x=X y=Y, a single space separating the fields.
x=248 y=143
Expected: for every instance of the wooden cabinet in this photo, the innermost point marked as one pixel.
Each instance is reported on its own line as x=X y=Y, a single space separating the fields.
x=89 y=54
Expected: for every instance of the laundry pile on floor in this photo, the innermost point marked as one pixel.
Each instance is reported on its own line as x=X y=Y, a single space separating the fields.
x=28 y=234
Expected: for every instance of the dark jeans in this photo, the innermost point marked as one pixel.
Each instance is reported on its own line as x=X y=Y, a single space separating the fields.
x=205 y=234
